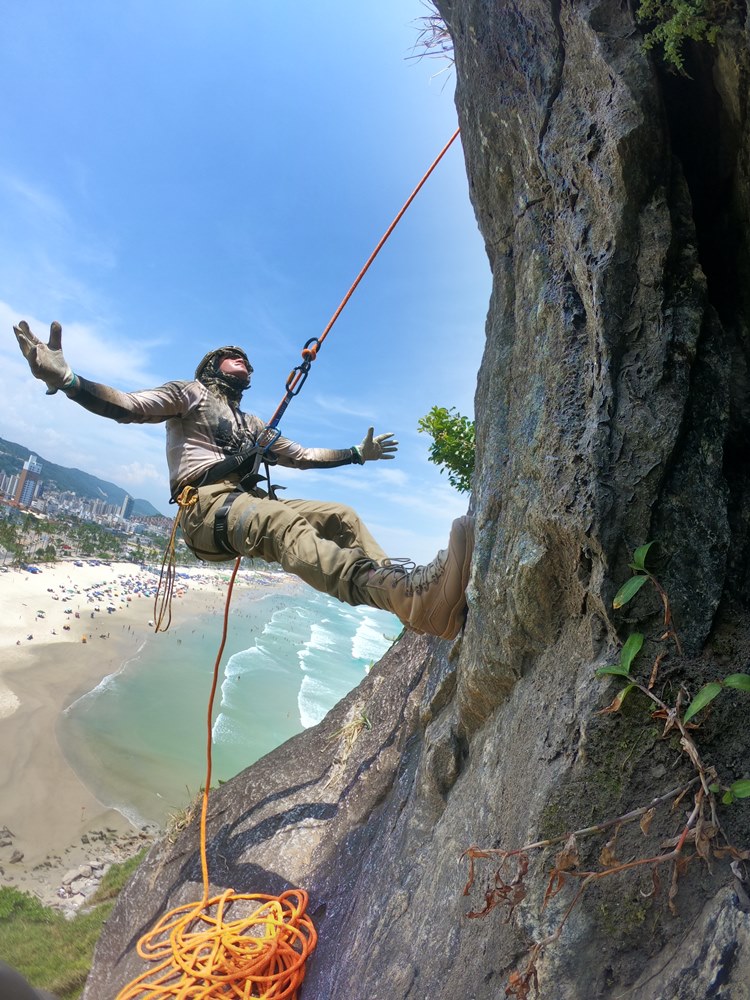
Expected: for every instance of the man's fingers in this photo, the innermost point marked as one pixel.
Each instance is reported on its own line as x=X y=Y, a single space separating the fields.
x=388 y=447
x=55 y=337
x=386 y=442
x=26 y=339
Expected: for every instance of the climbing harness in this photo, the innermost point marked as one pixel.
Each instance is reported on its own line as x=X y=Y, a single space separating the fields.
x=221 y=524
x=261 y=953
x=245 y=465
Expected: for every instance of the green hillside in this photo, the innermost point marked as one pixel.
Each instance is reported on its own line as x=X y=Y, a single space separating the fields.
x=83 y=484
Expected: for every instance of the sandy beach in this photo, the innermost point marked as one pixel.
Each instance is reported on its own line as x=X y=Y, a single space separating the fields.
x=62 y=630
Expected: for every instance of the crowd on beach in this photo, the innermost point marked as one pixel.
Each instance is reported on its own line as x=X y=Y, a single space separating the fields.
x=87 y=603
x=83 y=594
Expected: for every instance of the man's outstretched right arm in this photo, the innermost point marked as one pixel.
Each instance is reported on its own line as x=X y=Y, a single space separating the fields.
x=48 y=364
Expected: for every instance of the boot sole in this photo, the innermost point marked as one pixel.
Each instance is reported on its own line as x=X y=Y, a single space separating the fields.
x=458 y=615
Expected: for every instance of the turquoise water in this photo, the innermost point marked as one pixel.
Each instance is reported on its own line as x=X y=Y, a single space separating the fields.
x=138 y=740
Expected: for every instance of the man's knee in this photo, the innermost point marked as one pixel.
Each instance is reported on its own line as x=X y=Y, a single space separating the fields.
x=255 y=525
x=340 y=523
x=348 y=515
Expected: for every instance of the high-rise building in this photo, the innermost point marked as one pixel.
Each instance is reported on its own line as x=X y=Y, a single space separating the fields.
x=127 y=508
x=28 y=481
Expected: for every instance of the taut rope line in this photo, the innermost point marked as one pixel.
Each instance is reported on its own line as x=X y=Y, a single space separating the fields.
x=310 y=350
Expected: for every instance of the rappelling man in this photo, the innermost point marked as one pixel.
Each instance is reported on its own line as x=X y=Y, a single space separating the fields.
x=219 y=451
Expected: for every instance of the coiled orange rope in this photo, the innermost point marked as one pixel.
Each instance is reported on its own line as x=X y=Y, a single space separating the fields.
x=201 y=952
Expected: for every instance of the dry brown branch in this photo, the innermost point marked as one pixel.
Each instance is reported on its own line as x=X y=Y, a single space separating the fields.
x=433 y=40
x=697 y=831
x=487 y=852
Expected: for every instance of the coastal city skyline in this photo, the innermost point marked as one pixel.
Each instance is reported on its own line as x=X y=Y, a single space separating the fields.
x=26 y=491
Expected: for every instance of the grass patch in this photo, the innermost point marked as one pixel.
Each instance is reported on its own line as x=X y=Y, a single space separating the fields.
x=116 y=878
x=54 y=953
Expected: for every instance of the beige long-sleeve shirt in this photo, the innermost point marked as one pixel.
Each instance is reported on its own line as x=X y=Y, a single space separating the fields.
x=202 y=428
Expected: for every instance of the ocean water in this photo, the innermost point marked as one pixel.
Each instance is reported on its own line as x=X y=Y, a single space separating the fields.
x=138 y=740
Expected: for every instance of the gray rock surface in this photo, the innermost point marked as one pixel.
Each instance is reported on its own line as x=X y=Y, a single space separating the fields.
x=612 y=408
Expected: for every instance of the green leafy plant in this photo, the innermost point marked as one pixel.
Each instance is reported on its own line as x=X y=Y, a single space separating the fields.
x=675 y=22
x=634 y=642
x=740 y=682
x=626 y=593
x=453 y=444
x=671 y=714
x=737 y=790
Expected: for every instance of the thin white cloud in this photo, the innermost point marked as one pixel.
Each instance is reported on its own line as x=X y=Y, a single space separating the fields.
x=96 y=354
x=138 y=473
x=46 y=250
x=341 y=405
x=44 y=205
x=392 y=477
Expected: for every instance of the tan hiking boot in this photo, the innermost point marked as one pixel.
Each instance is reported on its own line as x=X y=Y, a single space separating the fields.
x=432 y=598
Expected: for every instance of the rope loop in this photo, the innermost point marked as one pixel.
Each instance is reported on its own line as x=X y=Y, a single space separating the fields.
x=206 y=951
x=187 y=498
x=310 y=349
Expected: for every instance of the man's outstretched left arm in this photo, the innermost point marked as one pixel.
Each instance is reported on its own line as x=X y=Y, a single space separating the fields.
x=372 y=448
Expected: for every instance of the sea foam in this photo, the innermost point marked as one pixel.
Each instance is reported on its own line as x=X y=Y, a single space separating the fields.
x=137 y=740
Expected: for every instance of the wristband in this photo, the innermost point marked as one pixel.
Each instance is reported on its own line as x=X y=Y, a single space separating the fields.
x=357 y=456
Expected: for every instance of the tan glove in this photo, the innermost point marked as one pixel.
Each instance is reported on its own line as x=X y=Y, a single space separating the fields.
x=46 y=361
x=373 y=448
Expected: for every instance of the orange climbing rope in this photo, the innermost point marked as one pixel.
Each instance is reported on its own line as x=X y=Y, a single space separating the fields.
x=310 y=350
x=205 y=950
x=261 y=952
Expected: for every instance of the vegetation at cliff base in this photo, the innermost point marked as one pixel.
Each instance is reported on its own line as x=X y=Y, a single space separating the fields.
x=54 y=953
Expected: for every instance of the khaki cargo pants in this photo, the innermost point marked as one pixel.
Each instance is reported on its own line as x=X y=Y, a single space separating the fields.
x=324 y=544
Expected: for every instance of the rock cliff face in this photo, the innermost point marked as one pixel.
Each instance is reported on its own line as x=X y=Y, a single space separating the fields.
x=613 y=408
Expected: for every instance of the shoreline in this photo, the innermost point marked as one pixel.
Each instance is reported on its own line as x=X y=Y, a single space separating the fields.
x=56 y=838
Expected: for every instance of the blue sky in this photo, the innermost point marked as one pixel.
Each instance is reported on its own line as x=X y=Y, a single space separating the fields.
x=178 y=176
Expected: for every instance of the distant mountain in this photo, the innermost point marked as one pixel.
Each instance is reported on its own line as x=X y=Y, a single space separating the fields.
x=12 y=457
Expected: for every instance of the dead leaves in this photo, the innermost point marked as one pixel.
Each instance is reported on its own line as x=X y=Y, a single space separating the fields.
x=646 y=820
x=567 y=860
x=521 y=983
x=502 y=893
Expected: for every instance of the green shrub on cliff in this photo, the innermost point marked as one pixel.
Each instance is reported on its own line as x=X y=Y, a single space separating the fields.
x=452 y=445
x=674 y=22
